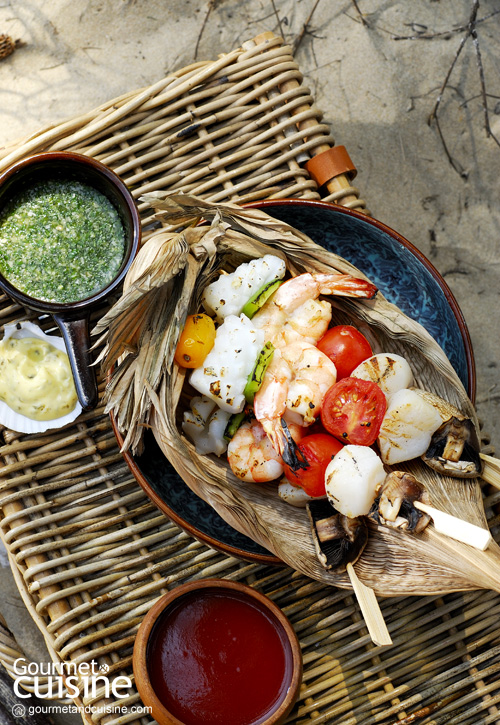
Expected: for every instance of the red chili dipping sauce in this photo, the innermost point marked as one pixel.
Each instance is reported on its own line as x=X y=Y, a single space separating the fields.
x=219 y=658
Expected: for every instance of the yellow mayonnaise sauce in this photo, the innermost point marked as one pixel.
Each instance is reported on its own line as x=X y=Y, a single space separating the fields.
x=36 y=379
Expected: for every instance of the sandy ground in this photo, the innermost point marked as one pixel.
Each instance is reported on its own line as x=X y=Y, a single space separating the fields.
x=376 y=89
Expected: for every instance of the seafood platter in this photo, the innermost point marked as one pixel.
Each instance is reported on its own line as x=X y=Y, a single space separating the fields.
x=312 y=414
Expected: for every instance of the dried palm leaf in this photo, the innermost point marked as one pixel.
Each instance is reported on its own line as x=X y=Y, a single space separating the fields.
x=140 y=331
x=392 y=562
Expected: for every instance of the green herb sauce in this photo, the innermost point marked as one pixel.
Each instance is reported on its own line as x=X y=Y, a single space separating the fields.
x=60 y=241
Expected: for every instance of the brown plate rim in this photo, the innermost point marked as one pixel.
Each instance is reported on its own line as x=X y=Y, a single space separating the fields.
x=181 y=523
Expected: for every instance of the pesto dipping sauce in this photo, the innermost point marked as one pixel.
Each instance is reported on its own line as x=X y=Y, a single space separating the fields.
x=60 y=241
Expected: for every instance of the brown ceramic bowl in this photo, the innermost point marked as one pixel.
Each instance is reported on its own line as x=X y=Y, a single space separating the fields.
x=232 y=684
x=73 y=318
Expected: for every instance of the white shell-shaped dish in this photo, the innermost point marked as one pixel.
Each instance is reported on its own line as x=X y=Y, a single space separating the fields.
x=20 y=423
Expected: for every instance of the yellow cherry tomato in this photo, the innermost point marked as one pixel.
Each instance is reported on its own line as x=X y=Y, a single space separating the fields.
x=195 y=342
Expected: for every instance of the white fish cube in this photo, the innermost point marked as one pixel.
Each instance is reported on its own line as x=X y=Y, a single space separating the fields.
x=205 y=424
x=225 y=371
x=230 y=292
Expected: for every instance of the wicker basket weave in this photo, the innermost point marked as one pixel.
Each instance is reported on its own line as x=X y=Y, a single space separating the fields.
x=91 y=553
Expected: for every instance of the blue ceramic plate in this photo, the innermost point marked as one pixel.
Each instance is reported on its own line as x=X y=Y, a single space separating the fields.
x=403 y=275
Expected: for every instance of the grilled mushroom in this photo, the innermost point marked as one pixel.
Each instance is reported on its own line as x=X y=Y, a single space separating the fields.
x=394 y=506
x=454 y=447
x=339 y=540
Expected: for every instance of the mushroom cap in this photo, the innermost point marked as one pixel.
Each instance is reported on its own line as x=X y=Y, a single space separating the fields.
x=338 y=540
x=394 y=506
x=454 y=449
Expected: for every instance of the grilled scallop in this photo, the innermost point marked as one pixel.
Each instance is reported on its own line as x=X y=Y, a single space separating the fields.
x=391 y=372
x=352 y=480
x=407 y=427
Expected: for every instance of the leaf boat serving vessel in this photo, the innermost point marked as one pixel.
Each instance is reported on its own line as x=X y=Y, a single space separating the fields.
x=393 y=562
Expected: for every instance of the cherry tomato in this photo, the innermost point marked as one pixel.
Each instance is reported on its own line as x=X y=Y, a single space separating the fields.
x=353 y=410
x=346 y=347
x=317 y=451
x=195 y=342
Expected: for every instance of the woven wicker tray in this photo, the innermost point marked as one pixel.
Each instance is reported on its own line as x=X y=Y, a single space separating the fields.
x=91 y=553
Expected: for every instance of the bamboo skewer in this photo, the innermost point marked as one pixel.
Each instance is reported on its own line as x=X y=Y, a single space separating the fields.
x=370 y=608
x=457 y=528
x=491 y=471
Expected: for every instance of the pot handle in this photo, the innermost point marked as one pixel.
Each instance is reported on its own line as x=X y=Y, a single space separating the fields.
x=77 y=338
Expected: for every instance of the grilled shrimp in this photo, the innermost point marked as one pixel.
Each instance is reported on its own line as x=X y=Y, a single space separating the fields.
x=293 y=389
x=251 y=455
x=294 y=311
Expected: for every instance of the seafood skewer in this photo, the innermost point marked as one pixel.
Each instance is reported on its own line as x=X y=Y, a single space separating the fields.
x=391 y=565
x=293 y=389
x=420 y=423
x=293 y=319
x=356 y=476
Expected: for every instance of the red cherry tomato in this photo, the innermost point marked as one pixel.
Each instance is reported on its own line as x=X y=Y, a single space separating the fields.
x=353 y=410
x=346 y=347
x=317 y=451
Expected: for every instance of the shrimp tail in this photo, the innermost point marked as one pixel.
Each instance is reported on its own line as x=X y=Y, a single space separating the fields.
x=273 y=431
x=291 y=453
x=345 y=285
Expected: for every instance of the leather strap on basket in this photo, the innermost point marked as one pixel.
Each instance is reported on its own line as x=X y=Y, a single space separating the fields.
x=331 y=163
